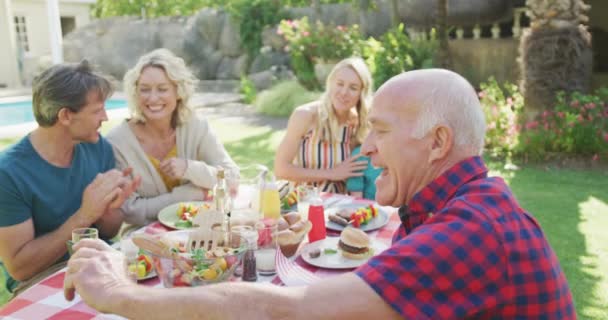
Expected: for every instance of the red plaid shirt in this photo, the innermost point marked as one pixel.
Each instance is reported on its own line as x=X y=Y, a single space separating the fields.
x=477 y=255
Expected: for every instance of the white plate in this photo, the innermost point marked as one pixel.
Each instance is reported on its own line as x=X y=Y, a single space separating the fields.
x=376 y=223
x=336 y=260
x=168 y=215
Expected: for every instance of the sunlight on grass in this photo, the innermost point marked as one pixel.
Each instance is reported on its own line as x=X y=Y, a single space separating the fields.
x=571 y=207
x=594 y=220
x=249 y=145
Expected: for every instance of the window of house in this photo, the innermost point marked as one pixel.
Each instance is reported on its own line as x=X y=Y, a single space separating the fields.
x=21 y=31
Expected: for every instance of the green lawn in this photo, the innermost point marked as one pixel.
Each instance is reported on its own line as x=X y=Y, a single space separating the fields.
x=571 y=206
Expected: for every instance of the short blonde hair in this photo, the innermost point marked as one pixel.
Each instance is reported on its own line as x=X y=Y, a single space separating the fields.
x=327 y=120
x=176 y=70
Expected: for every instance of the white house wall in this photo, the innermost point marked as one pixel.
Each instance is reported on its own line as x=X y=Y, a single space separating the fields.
x=35 y=13
x=9 y=73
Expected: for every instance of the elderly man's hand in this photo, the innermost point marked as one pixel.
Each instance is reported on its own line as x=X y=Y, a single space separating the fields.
x=98 y=273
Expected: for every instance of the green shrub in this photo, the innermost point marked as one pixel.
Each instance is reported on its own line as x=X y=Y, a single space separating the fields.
x=578 y=125
x=281 y=99
x=398 y=53
x=502 y=107
x=247 y=88
x=150 y=8
x=252 y=16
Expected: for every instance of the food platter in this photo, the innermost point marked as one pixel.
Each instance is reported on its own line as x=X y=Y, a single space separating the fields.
x=168 y=215
x=376 y=223
x=336 y=260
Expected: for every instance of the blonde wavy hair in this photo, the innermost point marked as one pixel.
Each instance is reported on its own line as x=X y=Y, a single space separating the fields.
x=327 y=120
x=176 y=70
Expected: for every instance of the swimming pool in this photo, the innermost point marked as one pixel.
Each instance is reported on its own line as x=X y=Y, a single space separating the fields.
x=12 y=113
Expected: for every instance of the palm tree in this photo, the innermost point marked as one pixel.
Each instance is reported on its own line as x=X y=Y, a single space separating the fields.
x=555 y=52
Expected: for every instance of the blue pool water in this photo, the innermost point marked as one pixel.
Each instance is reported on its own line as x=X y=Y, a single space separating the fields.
x=12 y=113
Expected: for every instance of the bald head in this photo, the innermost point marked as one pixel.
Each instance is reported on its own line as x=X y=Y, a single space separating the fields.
x=438 y=96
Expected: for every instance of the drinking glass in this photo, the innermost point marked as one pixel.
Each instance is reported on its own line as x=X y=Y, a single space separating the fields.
x=232 y=181
x=248 y=236
x=84 y=233
x=81 y=233
x=267 y=247
x=130 y=250
x=305 y=193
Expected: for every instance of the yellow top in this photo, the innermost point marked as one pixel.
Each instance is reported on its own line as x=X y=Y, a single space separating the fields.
x=170 y=183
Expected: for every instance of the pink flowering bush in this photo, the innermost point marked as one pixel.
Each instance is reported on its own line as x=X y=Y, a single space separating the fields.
x=502 y=107
x=578 y=125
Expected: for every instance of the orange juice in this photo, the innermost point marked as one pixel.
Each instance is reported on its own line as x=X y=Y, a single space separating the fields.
x=271 y=203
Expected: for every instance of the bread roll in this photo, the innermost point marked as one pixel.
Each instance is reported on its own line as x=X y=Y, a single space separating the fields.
x=286 y=237
x=292 y=217
x=298 y=226
x=283 y=224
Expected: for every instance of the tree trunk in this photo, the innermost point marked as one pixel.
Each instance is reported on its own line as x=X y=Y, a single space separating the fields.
x=362 y=9
x=555 y=54
x=441 y=22
x=316 y=11
x=395 y=13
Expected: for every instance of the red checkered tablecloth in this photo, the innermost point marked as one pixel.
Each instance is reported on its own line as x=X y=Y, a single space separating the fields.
x=45 y=300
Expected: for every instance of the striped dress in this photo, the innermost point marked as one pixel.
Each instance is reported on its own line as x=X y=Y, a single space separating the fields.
x=316 y=153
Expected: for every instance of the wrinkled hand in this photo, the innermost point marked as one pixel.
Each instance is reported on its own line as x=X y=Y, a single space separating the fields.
x=98 y=273
x=107 y=191
x=351 y=167
x=174 y=167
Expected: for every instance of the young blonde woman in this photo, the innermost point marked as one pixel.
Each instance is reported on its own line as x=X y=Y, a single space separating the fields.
x=164 y=141
x=320 y=135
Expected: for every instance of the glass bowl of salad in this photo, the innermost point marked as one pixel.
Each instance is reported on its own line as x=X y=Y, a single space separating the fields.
x=200 y=267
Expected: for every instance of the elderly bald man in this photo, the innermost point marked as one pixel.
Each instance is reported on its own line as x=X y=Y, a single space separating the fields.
x=466 y=249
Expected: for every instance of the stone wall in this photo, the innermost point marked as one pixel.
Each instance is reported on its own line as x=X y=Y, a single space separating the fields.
x=478 y=59
x=210 y=43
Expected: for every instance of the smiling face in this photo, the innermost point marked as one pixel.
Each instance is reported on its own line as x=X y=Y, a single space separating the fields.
x=84 y=125
x=157 y=94
x=404 y=159
x=345 y=90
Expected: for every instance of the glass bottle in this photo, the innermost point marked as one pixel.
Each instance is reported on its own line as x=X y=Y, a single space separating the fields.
x=220 y=198
x=249 y=260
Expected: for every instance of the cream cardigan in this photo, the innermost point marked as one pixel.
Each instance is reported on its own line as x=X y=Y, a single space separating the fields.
x=195 y=142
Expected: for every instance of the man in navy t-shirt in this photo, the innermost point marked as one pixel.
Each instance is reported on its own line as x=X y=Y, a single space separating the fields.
x=60 y=176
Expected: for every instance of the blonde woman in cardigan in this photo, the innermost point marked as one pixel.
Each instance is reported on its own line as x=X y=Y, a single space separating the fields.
x=320 y=135
x=173 y=149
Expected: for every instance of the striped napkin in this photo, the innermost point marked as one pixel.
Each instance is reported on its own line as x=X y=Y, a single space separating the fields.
x=292 y=274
